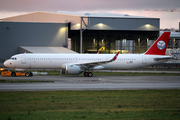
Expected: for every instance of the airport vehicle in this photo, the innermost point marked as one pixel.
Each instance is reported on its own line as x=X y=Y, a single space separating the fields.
x=6 y=72
x=78 y=63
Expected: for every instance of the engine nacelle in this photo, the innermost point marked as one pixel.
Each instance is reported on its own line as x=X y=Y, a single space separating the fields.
x=72 y=70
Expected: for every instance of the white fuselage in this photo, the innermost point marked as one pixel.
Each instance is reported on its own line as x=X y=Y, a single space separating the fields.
x=58 y=61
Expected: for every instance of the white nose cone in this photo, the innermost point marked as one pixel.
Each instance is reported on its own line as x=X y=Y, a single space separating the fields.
x=6 y=63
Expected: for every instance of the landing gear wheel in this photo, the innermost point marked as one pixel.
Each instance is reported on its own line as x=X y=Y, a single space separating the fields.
x=90 y=74
x=13 y=74
x=27 y=74
x=30 y=74
x=86 y=74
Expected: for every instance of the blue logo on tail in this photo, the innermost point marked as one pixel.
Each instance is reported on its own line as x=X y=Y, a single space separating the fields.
x=161 y=45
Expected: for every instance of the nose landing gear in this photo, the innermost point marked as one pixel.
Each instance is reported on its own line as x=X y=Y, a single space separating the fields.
x=29 y=74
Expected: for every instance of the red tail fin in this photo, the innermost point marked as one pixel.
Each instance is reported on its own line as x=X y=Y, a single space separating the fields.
x=160 y=45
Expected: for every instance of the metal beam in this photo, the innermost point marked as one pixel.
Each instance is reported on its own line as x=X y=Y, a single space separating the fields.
x=81 y=32
x=81 y=39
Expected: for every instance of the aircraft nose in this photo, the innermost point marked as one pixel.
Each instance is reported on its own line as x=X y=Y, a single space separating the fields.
x=6 y=63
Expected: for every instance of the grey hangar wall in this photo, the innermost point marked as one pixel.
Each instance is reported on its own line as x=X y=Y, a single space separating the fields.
x=136 y=24
x=15 y=34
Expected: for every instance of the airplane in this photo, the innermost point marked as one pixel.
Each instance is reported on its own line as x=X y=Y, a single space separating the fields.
x=79 y=63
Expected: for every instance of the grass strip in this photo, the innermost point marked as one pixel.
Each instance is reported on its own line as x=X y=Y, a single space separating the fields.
x=88 y=105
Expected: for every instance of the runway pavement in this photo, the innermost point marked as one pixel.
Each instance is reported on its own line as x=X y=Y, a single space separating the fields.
x=92 y=83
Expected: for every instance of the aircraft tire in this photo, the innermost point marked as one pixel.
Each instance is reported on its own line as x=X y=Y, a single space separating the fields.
x=86 y=74
x=90 y=74
x=27 y=74
x=30 y=74
x=13 y=74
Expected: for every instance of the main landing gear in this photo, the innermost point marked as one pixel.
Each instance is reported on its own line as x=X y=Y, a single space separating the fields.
x=88 y=74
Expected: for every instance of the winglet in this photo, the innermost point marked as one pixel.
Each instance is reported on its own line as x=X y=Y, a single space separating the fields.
x=115 y=57
x=102 y=48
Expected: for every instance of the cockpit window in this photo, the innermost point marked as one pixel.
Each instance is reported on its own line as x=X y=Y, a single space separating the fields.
x=13 y=58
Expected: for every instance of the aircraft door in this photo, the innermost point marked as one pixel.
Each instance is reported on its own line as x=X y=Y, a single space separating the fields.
x=76 y=59
x=23 y=59
x=144 y=61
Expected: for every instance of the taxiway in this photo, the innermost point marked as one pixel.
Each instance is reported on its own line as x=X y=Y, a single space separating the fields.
x=92 y=83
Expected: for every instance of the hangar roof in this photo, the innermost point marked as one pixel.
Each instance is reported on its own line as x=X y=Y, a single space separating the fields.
x=90 y=21
x=50 y=16
x=99 y=14
x=79 y=14
x=40 y=49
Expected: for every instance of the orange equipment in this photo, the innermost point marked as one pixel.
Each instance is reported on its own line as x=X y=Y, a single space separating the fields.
x=6 y=72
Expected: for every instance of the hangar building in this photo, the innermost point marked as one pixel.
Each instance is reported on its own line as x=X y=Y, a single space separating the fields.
x=80 y=32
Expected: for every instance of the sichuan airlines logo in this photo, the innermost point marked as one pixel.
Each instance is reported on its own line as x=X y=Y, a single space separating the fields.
x=161 y=45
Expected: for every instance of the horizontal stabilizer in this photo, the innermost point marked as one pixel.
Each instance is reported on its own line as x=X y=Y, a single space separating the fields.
x=164 y=58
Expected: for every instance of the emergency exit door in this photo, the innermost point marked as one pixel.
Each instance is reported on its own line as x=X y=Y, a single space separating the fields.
x=144 y=61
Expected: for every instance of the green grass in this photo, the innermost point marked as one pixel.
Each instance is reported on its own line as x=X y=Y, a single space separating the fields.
x=90 y=105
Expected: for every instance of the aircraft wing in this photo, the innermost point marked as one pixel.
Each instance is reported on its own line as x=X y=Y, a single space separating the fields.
x=94 y=64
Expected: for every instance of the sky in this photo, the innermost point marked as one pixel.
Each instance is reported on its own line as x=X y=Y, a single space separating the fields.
x=168 y=19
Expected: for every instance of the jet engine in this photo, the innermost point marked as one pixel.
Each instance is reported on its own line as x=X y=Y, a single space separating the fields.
x=72 y=70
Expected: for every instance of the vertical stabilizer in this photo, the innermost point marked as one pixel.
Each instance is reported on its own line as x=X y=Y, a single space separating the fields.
x=160 y=45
